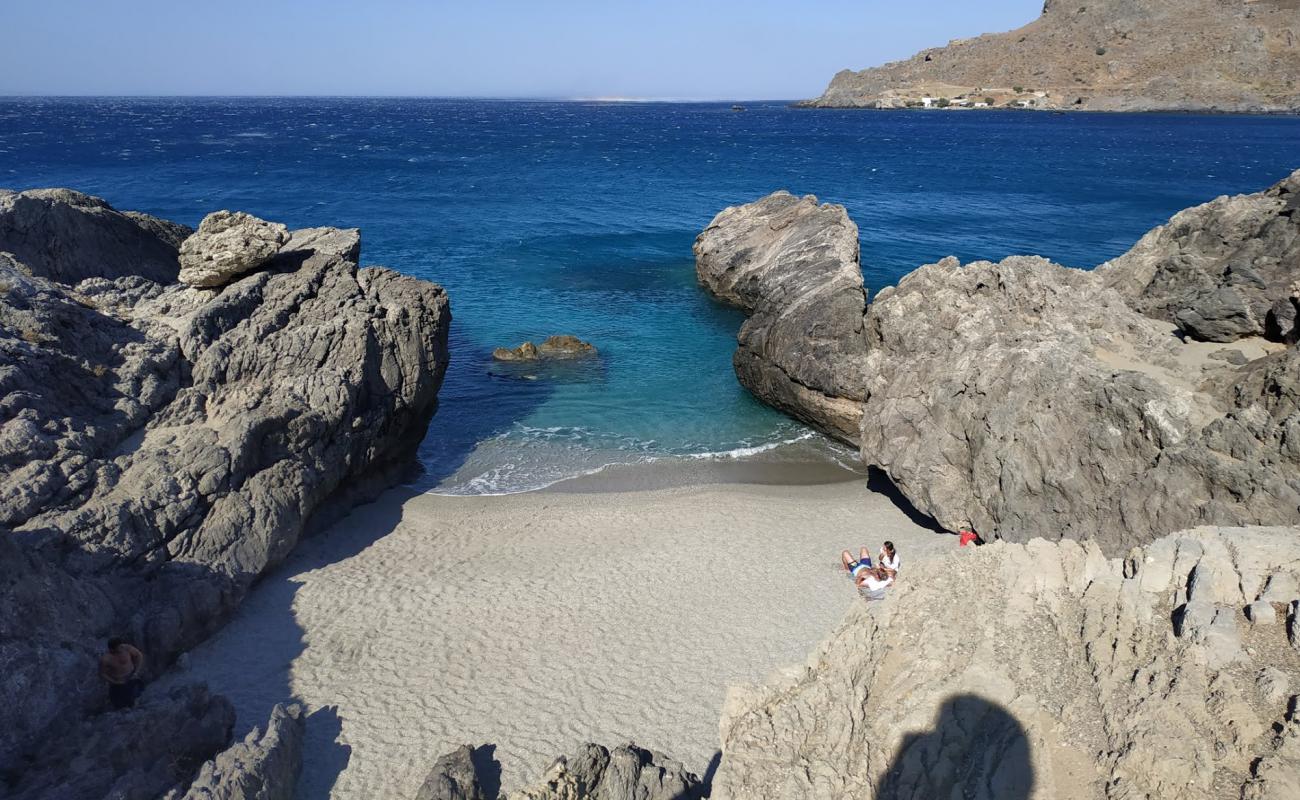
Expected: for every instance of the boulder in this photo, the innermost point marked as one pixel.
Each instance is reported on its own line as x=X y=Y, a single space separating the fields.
x=1062 y=676
x=264 y=766
x=625 y=773
x=792 y=266
x=1222 y=271
x=454 y=776
x=226 y=245
x=68 y=236
x=161 y=447
x=554 y=347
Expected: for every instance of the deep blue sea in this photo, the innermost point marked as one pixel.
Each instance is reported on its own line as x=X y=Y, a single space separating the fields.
x=551 y=217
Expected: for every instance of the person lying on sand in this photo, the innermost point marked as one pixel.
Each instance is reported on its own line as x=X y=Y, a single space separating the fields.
x=120 y=666
x=865 y=575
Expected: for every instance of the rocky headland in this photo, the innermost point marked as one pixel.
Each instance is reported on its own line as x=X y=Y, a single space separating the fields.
x=1025 y=399
x=1239 y=56
x=177 y=408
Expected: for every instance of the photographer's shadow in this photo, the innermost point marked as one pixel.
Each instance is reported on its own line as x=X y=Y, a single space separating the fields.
x=975 y=750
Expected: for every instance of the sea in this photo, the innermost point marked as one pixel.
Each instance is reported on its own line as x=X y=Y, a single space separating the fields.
x=576 y=217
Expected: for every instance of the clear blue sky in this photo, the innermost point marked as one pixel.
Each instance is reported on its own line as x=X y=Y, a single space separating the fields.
x=693 y=49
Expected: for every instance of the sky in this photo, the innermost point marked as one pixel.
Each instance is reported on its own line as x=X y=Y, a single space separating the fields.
x=678 y=49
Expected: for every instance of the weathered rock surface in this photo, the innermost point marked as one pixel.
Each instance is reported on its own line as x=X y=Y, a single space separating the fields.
x=625 y=773
x=1024 y=399
x=1222 y=271
x=264 y=766
x=454 y=776
x=792 y=266
x=162 y=446
x=137 y=754
x=1105 y=55
x=228 y=244
x=68 y=236
x=1043 y=670
x=554 y=347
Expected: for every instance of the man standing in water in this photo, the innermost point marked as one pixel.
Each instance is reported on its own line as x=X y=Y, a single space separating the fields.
x=121 y=666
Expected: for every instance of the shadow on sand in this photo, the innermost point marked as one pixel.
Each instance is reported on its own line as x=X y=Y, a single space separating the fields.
x=976 y=750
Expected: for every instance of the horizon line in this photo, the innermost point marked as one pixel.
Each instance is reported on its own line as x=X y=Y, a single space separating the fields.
x=497 y=98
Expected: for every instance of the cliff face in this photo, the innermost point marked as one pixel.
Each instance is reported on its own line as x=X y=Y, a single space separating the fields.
x=1105 y=55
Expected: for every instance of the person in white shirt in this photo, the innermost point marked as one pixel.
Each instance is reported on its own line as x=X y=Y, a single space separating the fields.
x=888 y=558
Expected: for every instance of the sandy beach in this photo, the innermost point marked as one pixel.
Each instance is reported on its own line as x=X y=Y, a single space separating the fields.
x=613 y=608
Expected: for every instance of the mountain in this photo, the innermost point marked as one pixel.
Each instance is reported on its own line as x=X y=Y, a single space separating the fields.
x=1103 y=55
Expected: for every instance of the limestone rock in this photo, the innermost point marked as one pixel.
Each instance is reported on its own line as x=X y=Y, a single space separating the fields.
x=454 y=777
x=554 y=347
x=626 y=773
x=67 y=236
x=1222 y=271
x=264 y=766
x=1103 y=55
x=792 y=266
x=226 y=245
x=1037 y=671
x=158 y=460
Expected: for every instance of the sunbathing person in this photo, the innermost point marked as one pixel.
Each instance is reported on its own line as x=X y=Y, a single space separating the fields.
x=888 y=558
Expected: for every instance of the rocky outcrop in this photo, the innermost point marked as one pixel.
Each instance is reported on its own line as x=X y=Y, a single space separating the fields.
x=1025 y=399
x=137 y=754
x=1104 y=55
x=454 y=776
x=264 y=766
x=161 y=446
x=792 y=266
x=228 y=244
x=1044 y=670
x=554 y=347
x=1222 y=271
x=625 y=773
x=68 y=236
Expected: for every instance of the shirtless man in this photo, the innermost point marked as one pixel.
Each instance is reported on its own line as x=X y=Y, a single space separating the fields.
x=120 y=666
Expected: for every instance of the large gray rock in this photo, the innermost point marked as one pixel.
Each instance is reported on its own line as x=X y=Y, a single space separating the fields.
x=228 y=244
x=264 y=766
x=1036 y=672
x=626 y=773
x=69 y=236
x=163 y=446
x=1222 y=271
x=792 y=266
x=137 y=754
x=454 y=777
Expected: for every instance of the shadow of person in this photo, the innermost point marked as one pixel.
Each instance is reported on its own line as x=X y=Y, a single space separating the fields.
x=324 y=756
x=976 y=751
x=487 y=768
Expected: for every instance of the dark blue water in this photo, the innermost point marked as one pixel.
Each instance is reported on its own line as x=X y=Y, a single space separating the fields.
x=578 y=218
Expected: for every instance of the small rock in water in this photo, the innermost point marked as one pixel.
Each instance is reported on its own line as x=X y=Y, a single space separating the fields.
x=555 y=347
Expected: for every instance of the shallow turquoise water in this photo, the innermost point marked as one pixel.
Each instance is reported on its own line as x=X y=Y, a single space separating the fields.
x=578 y=218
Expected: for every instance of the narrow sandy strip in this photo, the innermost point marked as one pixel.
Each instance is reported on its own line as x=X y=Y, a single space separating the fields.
x=536 y=622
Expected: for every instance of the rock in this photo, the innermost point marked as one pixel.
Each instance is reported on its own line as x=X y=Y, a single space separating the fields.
x=1261 y=613
x=1221 y=271
x=67 y=236
x=226 y=245
x=1103 y=55
x=1282 y=587
x=792 y=266
x=454 y=777
x=626 y=773
x=138 y=754
x=555 y=347
x=1020 y=398
x=155 y=464
x=1055 y=650
x=264 y=766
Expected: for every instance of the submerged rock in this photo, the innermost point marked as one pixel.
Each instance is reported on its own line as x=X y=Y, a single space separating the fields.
x=792 y=266
x=264 y=766
x=228 y=244
x=1034 y=671
x=68 y=236
x=554 y=347
x=163 y=446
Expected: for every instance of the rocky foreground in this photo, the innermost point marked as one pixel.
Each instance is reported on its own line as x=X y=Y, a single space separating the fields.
x=177 y=408
x=1103 y=55
x=1024 y=399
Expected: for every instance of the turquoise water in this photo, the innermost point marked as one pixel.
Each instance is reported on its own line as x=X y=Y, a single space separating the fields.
x=578 y=218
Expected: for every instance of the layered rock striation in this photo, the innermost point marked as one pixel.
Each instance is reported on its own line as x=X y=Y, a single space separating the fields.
x=1027 y=399
x=162 y=445
x=791 y=265
x=1045 y=670
x=1103 y=55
